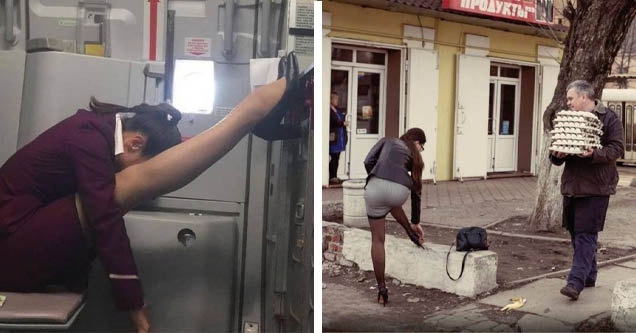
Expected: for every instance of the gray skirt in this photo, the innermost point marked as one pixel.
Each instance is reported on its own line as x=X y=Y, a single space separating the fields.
x=381 y=195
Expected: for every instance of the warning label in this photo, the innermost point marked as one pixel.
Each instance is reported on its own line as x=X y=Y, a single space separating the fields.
x=197 y=47
x=304 y=45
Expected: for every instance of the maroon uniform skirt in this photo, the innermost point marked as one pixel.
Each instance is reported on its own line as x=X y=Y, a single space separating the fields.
x=48 y=248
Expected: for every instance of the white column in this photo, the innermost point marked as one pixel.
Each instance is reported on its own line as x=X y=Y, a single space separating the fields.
x=326 y=88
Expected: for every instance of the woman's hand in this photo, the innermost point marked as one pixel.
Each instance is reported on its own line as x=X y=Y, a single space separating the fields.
x=418 y=230
x=139 y=319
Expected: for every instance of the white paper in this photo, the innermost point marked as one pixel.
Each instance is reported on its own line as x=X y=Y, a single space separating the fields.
x=263 y=71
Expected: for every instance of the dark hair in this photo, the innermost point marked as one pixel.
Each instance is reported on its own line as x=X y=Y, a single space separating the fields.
x=412 y=135
x=333 y=92
x=157 y=122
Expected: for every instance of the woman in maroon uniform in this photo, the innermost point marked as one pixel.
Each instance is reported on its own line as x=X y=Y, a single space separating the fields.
x=62 y=196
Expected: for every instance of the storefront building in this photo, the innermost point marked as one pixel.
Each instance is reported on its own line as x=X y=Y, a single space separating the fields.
x=475 y=83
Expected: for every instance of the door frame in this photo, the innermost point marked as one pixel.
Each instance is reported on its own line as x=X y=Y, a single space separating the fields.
x=353 y=68
x=498 y=81
x=537 y=116
x=328 y=63
x=346 y=159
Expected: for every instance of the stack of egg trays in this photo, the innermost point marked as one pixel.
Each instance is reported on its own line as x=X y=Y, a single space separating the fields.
x=575 y=132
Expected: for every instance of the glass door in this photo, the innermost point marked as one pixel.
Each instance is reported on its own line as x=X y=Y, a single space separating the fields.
x=367 y=124
x=503 y=114
x=505 y=135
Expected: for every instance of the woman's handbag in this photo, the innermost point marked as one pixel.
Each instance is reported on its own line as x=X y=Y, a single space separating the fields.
x=468 y=239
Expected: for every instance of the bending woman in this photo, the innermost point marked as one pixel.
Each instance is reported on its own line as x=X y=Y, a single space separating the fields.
x=394 y=168
x=62 y=196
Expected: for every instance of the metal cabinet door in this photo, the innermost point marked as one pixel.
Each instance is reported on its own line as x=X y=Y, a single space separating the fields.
x=12 y=64
x=289 y=250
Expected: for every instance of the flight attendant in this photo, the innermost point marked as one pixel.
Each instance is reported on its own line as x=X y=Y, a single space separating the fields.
x=63 y=195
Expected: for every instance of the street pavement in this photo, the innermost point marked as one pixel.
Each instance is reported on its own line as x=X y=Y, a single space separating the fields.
x=483 y=202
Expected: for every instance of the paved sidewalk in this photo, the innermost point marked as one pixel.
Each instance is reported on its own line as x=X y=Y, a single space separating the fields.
x=480 y=203
x=454 y=193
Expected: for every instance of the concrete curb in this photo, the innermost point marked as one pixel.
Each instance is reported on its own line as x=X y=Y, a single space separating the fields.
x=426 y=268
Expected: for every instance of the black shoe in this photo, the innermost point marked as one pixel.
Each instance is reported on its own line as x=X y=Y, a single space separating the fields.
x=270 y=127
x=383 y=293
x=570 y=292
x=589 y=284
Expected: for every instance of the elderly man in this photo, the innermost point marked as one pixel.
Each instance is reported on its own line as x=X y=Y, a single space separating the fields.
x=587 y=182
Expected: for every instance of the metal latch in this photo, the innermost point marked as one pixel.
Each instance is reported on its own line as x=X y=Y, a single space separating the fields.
x=279 y=305
x=300 y=209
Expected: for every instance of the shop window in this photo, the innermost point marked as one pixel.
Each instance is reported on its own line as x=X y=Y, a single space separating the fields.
x=494 y=70
x=369 y=57
x=339 y=54
x=509 y=72
x=368 y=102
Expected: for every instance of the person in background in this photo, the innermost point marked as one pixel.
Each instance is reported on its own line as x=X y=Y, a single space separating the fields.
x=587 y=182
x=394 y=167
x=337 y=138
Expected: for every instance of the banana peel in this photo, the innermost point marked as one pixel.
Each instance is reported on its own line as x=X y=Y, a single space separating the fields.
x=517 y=302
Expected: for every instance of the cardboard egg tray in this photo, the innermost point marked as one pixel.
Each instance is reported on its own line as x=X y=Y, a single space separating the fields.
x=575 y=132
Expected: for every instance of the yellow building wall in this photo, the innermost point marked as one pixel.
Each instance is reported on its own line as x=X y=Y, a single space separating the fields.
x=380 y=26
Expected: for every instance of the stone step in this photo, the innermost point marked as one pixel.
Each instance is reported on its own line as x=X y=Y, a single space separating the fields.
x=425 y=267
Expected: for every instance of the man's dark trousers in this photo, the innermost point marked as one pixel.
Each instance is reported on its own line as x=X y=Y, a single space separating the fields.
x=584 y=217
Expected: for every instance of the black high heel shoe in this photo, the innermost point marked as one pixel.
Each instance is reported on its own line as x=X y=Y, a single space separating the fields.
x=270 y=127
x=383 y=293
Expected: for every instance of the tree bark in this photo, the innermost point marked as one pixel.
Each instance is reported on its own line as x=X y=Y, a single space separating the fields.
x=597 y=31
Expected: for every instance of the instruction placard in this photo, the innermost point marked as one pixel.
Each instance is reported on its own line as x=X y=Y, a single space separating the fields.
x=304 y=45
x=305 y=16
x=197 y=47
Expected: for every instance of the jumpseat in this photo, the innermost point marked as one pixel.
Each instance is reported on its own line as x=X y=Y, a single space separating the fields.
x=425 y=267
x=40 y=311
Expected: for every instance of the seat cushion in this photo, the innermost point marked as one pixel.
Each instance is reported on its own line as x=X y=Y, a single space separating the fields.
x=45 y=308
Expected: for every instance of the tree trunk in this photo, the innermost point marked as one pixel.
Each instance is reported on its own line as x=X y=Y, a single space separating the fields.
x=597 y=31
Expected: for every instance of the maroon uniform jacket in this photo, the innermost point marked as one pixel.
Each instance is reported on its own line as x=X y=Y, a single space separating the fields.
x=74 y=156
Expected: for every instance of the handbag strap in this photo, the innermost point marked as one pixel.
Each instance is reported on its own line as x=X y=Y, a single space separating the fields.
x=463 y=262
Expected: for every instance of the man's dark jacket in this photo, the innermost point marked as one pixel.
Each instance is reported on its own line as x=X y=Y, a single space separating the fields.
x=595 y=175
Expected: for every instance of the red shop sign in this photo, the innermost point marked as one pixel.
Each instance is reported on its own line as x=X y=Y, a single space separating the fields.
x=533 y=11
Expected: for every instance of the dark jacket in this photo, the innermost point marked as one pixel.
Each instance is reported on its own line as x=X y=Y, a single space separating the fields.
x=595 y=175
x=74 y=156
x=334 y=125
x=391 y=159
